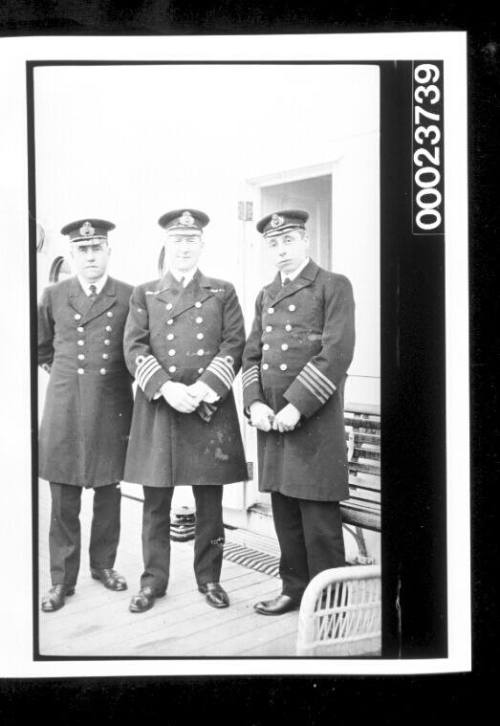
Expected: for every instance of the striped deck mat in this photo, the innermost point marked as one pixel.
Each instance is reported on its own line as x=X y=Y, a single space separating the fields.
x=253 y=559
x=253 y=550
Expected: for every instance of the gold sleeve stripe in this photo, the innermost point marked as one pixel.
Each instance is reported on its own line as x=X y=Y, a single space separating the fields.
x=223 y=370
x=316 y=382
x=249 y=381
x=146 y=368
x=311 y=389
x=250 y=371
x=250 y=376
x=317 y=392
x=331 y=386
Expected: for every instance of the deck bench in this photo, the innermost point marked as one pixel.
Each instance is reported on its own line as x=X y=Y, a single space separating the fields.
x=363 y=508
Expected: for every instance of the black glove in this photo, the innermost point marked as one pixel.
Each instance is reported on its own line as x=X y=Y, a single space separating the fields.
x=206 y=410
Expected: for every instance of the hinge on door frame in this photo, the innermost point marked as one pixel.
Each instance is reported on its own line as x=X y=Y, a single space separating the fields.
x=245 y=211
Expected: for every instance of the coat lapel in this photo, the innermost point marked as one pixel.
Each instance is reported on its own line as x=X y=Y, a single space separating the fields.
x=105 y=300
x=182 y=299
x=279 y=292
x=77 y=298
x=167 y=288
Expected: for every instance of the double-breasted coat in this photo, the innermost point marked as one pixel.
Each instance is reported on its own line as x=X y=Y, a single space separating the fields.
x=88 y=407
x=299 y=349
x=184 y=335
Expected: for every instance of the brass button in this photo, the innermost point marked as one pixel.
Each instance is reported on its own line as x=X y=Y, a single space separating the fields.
x=169 y=306
x=109 y=314
x=108 y=328
x=80 y=329
x=288 y=327
x=283 y=366
x=269 y=328
x=105 y=356
x=80 y=342
x=266 y=346
x=170 y=321
x=199 y=320
x=172 y=369
x=284 y=346
x=200 y=336
x=170 y=336
x=81 y=371
x=270 y=311
x=171 y=352
x=197 y=304
x=81 y=356
x=102 y=371
x=265 y=366
x=200 y=370
x=291 y=308
x=77 y=316
x=200 y=352
x=107 y=341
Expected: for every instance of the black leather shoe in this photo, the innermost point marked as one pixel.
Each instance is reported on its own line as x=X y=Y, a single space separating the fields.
x=280 y=605
x=215 y=595
x=144 y=600
x=55 y=597
x=109 y=578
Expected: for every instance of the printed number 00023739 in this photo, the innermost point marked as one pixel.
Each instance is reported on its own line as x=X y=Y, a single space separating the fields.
x=427 y=158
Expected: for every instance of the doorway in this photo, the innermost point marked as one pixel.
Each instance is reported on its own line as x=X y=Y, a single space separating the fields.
x=311 y=193
x=314 y=195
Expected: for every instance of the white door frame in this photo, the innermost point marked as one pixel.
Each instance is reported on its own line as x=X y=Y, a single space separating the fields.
x=296 y=174
x=251 y=244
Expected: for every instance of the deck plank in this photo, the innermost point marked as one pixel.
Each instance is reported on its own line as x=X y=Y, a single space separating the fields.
x=177 y=612
x=225 y=641
x=97 y=622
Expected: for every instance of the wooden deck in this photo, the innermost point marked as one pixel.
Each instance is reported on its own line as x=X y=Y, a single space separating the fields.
x=97 y=622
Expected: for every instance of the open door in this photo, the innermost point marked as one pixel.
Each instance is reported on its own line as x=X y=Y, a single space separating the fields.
x=309 y=189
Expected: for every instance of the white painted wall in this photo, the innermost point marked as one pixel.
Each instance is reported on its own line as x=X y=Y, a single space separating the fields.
x=129 y=143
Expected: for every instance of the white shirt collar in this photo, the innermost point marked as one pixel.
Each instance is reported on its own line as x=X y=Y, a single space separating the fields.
x=295 y=273
x=188 y=276
x=99 y=284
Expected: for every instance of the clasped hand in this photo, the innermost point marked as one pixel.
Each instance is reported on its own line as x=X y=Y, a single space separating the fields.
x=186 y=399
x=263 y=417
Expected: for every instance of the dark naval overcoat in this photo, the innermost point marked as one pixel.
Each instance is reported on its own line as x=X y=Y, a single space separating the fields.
x=298 y=352
x=184 y=334
x=88 y=406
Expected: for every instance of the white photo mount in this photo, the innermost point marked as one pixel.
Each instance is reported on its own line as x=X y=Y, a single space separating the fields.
x=318 y=52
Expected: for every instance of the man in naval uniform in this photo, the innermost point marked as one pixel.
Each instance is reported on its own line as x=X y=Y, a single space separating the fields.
x=88 y=408
x=294 y=368
x=183 y=344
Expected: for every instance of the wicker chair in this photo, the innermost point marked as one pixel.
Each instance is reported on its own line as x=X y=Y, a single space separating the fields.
x=340 y=613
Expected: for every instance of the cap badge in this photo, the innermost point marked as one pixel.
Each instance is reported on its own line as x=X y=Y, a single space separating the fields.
x=86 y=230
x=187 y=219
x=276 y=220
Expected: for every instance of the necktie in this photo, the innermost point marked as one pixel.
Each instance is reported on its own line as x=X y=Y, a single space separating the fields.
x=285 y=281
x=93 y=292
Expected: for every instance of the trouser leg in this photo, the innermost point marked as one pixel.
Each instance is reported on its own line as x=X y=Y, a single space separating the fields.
x=322 y=527
x=293 y=568
x=105 y=529
x=64 y=534
x=156 y=538
x=209 y=533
